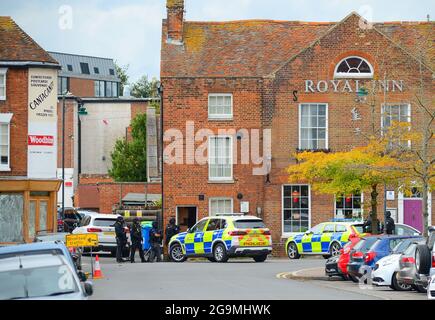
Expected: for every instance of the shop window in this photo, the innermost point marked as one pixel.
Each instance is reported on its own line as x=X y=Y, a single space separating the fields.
x=62 y=85
x=296 y=208
x=11 y=217
x=220 y=157
x=99 y=88
x=313 y=126
x=220 y=106
x=220 y=205
x=114 y=89
x=353 y=67
x=5 y=119
x=3 y=84
x=348 y=206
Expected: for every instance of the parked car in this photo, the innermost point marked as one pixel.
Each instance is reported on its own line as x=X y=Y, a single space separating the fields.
x=221 y=237
x=332 y=269
x=46 y=276
x=102 y=225
x=407 y=268
x=324 y=239
x=386 y=269
x=356 y=261
x=431 y=289
x=68 y=220
x=405 y=230
x=344 y=257
x=76 y=253
x=38 y=248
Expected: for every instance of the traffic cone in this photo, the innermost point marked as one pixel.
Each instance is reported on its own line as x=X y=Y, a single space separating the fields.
x=97 y=271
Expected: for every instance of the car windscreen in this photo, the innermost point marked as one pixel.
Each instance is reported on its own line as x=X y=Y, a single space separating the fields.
x=249 y=224
x=359 y=228
x=365 y=245
x=31 y=253
x=104 y=222
x=403 y=245
x=37 y=282
x=410 y=250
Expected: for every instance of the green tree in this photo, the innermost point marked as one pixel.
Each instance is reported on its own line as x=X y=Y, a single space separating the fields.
x=121 y=71
x=129 y=158
x=145 y=88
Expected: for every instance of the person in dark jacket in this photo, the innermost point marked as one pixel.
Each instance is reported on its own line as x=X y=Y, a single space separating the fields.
x=121 y=238
x=136 y=240
x=390 y=226
x=155 y=241
x=171 y=230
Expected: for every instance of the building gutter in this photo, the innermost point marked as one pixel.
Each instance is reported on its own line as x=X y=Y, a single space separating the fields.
x=29 y=64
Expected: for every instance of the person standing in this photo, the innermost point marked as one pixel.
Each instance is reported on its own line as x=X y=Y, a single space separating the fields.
x=136 y=240
x=390 y=226
x=121 y=238
x=155 y=241
x=171 y=230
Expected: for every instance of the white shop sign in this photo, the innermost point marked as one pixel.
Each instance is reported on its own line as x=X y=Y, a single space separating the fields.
x=42 y=123
x=244 y=206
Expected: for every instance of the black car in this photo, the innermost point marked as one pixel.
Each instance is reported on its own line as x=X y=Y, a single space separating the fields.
x=331 y=268
x=356 y=257
x=68 y=220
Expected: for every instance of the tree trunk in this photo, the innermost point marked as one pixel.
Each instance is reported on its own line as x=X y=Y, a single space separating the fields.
x=425 y=209
x=374 y=211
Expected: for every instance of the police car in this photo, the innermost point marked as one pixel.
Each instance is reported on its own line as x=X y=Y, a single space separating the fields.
x=221 y=237
x=324 y=239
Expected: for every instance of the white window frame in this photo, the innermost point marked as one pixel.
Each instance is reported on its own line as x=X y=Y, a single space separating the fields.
x=220 y=116
x=220 y=199
x=5 y=118
x=395 y=104
x=289 y=234
x=326 y=125
x=3 y=72
x=341 y=75
x=219 y=179
x=362 y=205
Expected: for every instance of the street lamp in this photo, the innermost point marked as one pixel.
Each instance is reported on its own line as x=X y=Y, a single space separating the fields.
x=66 y=94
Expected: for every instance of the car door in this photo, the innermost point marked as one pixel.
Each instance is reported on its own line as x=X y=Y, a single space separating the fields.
x=307 y=238
x=325 y=238
x=194 y=239
x=212 y=226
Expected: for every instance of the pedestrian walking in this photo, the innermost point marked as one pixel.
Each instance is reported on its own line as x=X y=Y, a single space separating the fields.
x=121 y=238
x=155 y=241
x=171 y=230
x=136 y=240
x=390 y=226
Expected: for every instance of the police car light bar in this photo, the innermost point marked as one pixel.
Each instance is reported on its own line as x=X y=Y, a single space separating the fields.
x=230 y=214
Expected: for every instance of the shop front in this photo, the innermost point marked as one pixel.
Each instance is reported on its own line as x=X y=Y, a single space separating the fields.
x=27 y=207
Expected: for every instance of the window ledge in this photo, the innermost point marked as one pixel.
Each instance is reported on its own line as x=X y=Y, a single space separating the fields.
x=220 y=119
x=313 y=150
x=221 y=181
x=5 y=169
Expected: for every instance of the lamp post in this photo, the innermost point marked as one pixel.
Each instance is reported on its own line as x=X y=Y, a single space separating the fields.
x=160 y=91
x=67 y=93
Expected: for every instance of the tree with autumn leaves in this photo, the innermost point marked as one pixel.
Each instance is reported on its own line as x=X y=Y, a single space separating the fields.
x=389 y=160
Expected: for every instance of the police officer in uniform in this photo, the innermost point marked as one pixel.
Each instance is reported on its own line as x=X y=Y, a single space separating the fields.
x=155 y=241
x=390 y=226
x=121 y=238
x=136 y=240
x=171 y=230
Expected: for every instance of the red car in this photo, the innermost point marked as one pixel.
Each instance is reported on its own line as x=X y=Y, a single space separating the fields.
x=343 y=260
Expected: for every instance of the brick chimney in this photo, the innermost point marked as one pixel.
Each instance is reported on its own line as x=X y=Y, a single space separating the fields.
x=175 y=20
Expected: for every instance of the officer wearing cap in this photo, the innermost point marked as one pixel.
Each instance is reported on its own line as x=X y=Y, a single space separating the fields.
x=121 y=238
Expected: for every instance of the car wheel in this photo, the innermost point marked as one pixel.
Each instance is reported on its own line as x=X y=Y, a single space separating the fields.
x=345 y=277
x=220 y=253
x=292 y=251
x=326 y=256
x=420 y=288
x=422 y=259
x=176 y=253
x=334 y=249
x=261 y=258
x=211 y=259
x=396 y=285
x=354 y=278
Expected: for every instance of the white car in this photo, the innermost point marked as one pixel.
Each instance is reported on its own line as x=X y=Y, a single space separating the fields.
x=40 y=277
x=386 y=269
x=102 y=225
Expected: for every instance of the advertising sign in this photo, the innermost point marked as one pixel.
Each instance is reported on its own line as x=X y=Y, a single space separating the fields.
x=42 y=123
x=81 y=240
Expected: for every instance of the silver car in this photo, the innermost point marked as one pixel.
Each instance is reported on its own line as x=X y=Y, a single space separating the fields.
x=40 y=277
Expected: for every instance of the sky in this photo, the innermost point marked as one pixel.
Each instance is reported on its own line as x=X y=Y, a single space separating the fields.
x=129 y=31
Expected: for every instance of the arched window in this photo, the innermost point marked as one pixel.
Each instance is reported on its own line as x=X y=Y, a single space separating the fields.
x=353 y=67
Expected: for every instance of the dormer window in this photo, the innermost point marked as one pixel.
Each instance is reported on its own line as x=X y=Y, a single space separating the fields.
x=353 y=67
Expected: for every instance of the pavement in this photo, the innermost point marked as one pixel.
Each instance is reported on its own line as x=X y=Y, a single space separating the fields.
x=199 y=279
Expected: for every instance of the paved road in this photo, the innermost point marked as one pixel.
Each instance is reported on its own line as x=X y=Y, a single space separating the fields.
x=237 y=279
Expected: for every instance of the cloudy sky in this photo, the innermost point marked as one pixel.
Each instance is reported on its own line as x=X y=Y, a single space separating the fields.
x=129 y=30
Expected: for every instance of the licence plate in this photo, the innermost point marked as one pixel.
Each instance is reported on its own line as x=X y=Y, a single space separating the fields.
x=109 y=233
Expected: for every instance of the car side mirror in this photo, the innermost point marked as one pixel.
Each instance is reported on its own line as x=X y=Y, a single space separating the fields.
x=89 y=290
x=308 y=232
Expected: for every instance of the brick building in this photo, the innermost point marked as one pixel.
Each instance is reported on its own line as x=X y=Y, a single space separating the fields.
x=28 y=136
x=298 y=81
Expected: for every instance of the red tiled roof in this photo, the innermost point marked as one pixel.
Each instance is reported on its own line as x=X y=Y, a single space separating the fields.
x=256 y=48
x=16 y=45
